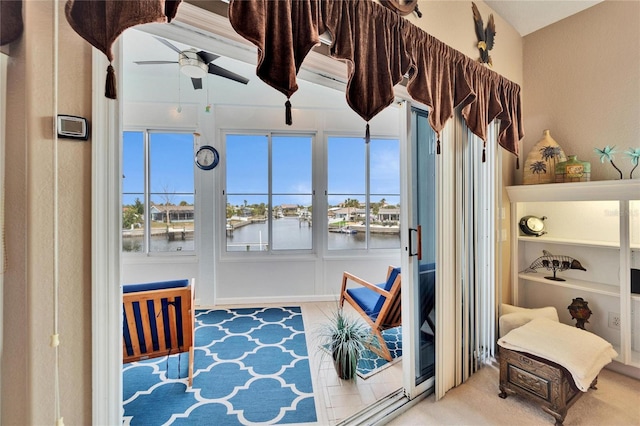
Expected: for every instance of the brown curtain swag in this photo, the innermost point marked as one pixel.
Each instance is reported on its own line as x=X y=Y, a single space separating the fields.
x=100 y=22
x=11 y=25
x=379 y=48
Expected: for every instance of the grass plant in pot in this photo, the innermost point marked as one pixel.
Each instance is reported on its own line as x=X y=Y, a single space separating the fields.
x=345 y=338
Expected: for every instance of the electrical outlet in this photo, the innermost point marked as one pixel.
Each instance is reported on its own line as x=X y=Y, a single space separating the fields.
x=614 y=320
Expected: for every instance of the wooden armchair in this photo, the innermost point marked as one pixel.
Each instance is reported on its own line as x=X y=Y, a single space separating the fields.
x=378 y=304
x=158 y=320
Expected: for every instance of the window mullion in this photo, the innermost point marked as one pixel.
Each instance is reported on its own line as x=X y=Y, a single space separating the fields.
x=269 y=192
x=147 y=196
x=367 y=193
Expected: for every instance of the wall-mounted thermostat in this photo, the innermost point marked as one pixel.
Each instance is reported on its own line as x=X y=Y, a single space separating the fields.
x=73 y=127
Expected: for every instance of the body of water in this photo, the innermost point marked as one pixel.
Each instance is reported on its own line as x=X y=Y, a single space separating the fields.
x=291 y=234
x=288 y=234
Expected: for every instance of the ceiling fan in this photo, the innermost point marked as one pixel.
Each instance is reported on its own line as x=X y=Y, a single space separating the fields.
x=196 y=64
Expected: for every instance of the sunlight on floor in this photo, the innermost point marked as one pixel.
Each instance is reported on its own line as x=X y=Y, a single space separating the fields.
x=338 y=399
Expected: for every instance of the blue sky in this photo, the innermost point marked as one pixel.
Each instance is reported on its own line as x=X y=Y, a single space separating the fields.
x=172 y=168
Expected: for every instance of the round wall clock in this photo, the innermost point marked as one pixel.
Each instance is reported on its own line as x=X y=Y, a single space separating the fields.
x=532 y=225
x=207 y=157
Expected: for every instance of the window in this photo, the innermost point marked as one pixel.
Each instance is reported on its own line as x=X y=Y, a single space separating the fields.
x=157 y=192
x=363 y=193
x=269 y=192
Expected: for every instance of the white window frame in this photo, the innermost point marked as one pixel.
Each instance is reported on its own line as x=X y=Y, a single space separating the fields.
x=222 y=198
x=146 y=252
x=367 y=249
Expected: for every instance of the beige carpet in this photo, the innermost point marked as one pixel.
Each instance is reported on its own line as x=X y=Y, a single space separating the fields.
x=616 y=402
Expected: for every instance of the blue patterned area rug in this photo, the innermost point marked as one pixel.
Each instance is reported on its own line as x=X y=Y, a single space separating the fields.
x=251 y=367
x=371 y=363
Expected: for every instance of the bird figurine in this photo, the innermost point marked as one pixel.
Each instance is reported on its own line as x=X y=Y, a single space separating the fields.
x=554 y=263
x=486 y=36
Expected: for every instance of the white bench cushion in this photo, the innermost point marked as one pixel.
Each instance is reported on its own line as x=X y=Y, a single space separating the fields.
x=515 y=316
x=579 y=351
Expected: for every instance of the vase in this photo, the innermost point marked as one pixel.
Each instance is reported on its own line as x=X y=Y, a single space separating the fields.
x=579 y=310
x=573 y=170
x=541 y=162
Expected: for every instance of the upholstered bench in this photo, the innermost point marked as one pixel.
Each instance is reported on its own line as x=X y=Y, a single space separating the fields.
x=551 y=363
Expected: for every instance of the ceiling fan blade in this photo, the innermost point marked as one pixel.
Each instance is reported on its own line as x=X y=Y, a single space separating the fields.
x=154 y=62
x=168 y=44
x=216 y=70
x=207 y=57
x=197 y=83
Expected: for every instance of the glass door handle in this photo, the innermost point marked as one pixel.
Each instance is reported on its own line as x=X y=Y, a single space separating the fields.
x=418 y=232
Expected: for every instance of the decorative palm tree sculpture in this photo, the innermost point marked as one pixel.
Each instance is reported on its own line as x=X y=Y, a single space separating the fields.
x=606 y=153
x=634 y=154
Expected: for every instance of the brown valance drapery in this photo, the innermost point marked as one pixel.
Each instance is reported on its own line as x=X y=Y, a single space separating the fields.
x=380 y=48
x=101 y=22
x=11 y=25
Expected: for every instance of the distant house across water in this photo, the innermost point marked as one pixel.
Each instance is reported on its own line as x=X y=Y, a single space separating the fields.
x=175 y=213
x=389 y=214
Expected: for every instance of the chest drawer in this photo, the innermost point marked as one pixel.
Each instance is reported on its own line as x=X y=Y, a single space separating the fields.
x=530 y=382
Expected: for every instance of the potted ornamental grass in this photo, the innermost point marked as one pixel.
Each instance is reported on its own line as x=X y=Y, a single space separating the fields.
x=345 y=338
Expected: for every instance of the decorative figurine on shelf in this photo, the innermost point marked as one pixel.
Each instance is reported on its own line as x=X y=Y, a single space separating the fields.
x=573 y=170
x=579 y=310
x=634 y=154
x=554 y=263
x=540 y=165
x=606 y=153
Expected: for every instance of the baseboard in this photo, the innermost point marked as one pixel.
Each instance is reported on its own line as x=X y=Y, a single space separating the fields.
x=266 y=301
x=627 y=370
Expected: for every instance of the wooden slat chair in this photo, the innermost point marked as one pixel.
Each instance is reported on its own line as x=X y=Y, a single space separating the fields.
x=158 y=320
x=378 y=304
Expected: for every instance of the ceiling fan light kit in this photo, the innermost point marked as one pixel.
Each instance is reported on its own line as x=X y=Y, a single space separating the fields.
x=196 y=64
x=191 y=65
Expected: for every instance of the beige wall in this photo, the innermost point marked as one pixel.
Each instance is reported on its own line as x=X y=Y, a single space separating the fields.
x=452 y=23
x=28 y=360
x=582 y=78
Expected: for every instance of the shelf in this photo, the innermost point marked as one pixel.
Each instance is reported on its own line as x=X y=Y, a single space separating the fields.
x=626 y=189
x=590 y=286
x=570 y=242
x=598 y=221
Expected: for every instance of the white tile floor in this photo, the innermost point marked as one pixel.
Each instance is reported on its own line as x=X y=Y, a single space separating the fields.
x=338 y=399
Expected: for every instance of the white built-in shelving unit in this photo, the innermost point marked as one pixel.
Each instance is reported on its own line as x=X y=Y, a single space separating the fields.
x=597 y=223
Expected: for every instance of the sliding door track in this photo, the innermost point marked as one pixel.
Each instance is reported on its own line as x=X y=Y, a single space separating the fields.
x=384 y=410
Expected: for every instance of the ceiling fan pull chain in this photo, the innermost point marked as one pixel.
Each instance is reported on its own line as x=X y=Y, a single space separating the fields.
x=288 y=118
x=110 y=84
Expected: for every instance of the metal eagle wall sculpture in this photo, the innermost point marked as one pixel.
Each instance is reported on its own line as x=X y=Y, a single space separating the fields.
x=486 y=35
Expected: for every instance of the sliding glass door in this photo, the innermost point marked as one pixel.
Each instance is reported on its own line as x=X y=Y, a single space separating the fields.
x=423 y=143
x=420 y=254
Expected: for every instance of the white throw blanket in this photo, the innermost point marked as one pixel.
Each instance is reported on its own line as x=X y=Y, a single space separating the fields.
x=579 y=351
